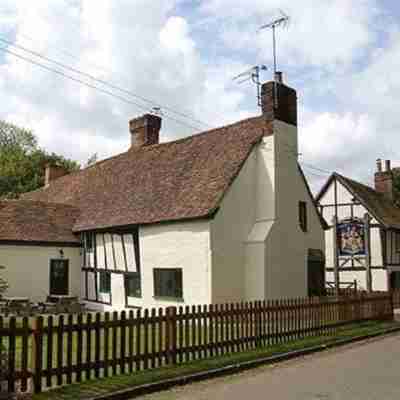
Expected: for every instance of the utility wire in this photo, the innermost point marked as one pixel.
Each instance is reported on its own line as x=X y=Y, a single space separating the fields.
x=62 y=50
x=77 y=80
x=320 y=170
x=98 y=80
x=121 y=98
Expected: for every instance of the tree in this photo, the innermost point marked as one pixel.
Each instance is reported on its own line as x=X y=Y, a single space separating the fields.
x=22 y=161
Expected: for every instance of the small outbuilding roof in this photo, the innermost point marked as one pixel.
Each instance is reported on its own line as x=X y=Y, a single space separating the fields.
x=37 y=222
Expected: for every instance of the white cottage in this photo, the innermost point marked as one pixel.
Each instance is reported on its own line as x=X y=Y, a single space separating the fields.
x=222 y=216
x=349 y=201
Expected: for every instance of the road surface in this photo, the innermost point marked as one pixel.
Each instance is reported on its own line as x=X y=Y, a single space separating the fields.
x=363 y=371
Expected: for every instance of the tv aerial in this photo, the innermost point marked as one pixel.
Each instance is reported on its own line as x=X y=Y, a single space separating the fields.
x=282 y=21
x=252 y=74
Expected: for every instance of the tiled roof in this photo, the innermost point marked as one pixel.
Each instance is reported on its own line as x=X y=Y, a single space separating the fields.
x=183 y=179
x=33 y=221
x=383 y=209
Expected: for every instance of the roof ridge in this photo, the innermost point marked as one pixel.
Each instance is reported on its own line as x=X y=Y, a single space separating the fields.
x=154 y=146
x=172 y=142
x=357 y=182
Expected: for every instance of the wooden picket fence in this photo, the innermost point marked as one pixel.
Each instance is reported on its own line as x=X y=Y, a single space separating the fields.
x=45 y=353
x=396 y=297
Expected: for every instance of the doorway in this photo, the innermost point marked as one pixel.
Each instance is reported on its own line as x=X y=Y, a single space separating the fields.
x=394 y=280
x=59 y=277
x=316 y=272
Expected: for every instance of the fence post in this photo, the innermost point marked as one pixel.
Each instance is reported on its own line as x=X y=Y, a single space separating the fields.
x=391 y=317
x=258 y=324
x=37 y=353
x=172 y=330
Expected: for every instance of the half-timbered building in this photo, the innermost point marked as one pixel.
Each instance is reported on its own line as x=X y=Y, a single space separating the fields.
x=363 y=239
x=224 y=215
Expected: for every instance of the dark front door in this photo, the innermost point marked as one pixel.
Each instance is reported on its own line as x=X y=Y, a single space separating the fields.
x=316 y=273
x=59 y=277
x=395 y=280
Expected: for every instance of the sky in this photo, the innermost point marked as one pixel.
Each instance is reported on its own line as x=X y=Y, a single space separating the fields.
x=342 y=57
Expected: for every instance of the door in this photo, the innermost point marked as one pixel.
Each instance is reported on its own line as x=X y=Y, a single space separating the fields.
x=59 y=277
x=316 y=273
x=395 y=280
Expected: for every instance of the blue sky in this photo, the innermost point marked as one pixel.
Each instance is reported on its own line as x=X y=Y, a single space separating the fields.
x=342 y=56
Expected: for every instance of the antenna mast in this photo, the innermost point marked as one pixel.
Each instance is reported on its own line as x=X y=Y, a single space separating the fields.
x=283 y=21
x=252 y=74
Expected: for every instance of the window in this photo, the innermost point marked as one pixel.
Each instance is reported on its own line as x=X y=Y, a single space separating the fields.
x=168 y=283
x=105 y=282
x=89 y=242
x=303 y=215
x=397 y=241
x=132 y=285
x=89 y=249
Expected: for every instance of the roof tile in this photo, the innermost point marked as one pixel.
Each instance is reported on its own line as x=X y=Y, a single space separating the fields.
x=176 y=180
x=34 y=221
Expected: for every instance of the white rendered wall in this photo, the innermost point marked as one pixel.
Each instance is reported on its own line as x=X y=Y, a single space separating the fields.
x=176 y=245
x=28 y=270
x=256 y=266
x=287 y=245
x=229 y=231
x=258 y=222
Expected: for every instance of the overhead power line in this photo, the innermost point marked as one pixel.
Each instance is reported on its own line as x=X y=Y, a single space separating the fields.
x=101 y=81
x=320 y=170
x=102 y=90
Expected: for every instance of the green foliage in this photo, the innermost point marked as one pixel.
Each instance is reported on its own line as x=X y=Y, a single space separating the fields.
x=22 y=161
x=396 y=185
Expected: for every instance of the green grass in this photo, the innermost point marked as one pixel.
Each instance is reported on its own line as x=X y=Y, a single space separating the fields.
x=106 y=385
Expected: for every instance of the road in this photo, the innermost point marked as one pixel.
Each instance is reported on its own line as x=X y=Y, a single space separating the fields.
x=363 y=371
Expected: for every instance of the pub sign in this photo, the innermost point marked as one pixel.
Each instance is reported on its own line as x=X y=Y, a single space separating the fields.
x=351 y=237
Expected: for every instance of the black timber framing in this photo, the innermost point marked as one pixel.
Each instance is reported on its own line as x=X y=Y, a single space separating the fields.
x=96 y=271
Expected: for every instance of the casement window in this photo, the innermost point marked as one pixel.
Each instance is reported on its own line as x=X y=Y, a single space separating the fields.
x=104 y=282
x=303 y=216
x=132 y=285
x=88 y=244
x=168 y=283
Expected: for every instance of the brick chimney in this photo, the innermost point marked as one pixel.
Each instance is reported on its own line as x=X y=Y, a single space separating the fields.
x=145 y=130
x=384 y=179
x=281 y=105
x=53 y=172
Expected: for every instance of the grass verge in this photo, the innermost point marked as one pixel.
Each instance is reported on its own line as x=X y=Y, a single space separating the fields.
x=104 y=386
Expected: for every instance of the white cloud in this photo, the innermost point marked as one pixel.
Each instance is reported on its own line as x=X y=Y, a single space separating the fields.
x=321 y=33
x=345 y=73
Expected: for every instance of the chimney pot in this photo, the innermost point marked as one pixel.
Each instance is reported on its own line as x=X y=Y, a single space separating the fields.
x=387 y=165
x=145 y=130
x=379 y=165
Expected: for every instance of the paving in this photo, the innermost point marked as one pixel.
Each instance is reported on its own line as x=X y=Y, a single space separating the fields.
x=366 y=371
